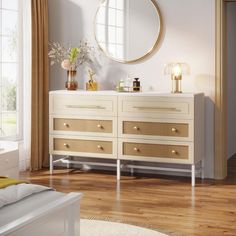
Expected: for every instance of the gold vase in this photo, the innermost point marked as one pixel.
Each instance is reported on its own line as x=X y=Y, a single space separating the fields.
x=71 y=83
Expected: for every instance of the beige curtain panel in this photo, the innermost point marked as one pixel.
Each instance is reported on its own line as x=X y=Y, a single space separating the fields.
x=40 y=85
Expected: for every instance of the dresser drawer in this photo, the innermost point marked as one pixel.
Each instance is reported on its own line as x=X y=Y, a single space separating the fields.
x=83 y=146
x=155 y=150
x=156 y=128
x=83 y=105
x=83 y=125
x=156 y=107
x=9 y=160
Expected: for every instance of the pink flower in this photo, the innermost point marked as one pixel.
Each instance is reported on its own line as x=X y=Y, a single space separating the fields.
x=66 y=64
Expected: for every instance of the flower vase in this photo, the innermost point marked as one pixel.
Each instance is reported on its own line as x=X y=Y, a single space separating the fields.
x=71 y=83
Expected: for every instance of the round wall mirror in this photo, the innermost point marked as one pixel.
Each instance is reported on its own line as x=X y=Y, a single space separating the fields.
x=127 y=30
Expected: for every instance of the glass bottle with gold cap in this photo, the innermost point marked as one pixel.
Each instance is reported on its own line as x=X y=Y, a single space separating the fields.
x=91 y=85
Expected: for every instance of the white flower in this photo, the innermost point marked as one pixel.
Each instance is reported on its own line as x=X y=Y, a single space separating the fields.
x=66 y=64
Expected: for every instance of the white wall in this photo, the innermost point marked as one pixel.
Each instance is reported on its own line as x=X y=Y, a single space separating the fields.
x=231 y=77
x=188 y=36
x=137 y=38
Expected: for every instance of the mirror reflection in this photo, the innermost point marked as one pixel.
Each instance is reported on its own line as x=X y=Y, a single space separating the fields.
x=127 y=30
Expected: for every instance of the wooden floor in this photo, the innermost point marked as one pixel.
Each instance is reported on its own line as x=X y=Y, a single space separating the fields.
x=167 y=204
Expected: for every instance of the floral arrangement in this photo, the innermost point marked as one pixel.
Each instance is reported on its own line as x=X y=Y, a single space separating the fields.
x=70 y=57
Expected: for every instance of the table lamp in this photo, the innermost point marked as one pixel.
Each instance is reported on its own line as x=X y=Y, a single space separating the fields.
x=176 y=70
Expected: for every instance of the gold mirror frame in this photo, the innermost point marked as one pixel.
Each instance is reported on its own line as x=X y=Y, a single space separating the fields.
x=149 y=52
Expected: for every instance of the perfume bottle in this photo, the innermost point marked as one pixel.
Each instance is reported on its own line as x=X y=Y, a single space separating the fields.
x=121 y=85
x=128 y=84
x=91 y=85
x=136 y=85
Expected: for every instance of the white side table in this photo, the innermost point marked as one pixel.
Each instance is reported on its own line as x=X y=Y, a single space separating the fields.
x=9 y=159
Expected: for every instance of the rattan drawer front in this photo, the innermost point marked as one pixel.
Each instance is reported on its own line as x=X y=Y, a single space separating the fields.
x=155 y=150
x=82 y=125
x=155 y=128
x=79 y=145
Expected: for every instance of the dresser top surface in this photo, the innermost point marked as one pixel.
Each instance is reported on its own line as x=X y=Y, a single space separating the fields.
x=114 y=93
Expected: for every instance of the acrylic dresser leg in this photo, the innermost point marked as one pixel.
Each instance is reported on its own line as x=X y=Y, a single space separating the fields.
x=118 y=169
x=202 y=170
x=68 y=164
x=51 y=164
x=132 y=171
x=193 y=175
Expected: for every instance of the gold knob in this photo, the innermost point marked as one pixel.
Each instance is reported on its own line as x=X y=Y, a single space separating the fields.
x=136 y=149
x=174 y=152
x=66 y=145
x=99 y=126
x=136 y=127
x=174 y=130
x=66 y=125
x=100 y=147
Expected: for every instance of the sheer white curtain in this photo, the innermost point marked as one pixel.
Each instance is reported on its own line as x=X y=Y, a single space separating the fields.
x=25 y=38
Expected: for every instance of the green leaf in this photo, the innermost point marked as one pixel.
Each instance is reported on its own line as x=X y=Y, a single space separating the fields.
x=74 y=52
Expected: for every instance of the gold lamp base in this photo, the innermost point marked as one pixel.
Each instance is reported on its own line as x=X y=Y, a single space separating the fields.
x=176 y=70
x=176 y=86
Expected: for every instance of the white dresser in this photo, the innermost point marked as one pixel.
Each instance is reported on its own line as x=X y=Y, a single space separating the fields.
x=9 y=159
x=146 y=127
x=83 y=124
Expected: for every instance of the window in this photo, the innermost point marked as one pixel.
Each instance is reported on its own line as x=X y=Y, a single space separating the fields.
x=110 y=27
x=10 y=69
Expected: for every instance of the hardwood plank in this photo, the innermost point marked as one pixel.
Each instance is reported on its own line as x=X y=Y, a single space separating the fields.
x=167 y=204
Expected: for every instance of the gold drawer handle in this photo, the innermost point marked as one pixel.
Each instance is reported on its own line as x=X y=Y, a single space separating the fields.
x=66 y=145
x=100 y=126
x=158 y=108
x=99 y=147
x=174 y=152
x=66 y=125
x=86 y=107
x=174 y=130
x=136 y=128
x=136 y=149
